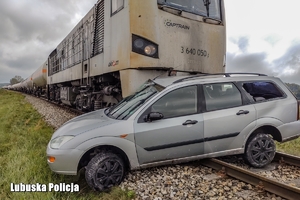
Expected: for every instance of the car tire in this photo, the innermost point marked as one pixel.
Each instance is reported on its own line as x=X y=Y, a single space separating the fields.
x=260 y=150
x=104 y=170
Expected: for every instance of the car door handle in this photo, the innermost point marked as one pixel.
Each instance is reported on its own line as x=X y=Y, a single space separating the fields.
x=242 y=112
x=187 y=122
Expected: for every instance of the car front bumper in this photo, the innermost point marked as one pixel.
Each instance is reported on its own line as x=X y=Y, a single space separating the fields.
x=66 y=160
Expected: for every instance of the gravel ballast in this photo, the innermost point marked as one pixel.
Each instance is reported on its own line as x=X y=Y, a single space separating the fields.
x=53 y=115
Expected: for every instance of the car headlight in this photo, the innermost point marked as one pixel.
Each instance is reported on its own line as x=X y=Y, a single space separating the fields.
x=59 y=141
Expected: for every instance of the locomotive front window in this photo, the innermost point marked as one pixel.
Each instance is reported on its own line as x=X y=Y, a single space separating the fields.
x=206 y=8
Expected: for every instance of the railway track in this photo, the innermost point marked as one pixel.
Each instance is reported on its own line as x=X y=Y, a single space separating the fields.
x=268 y=184
x=288 y=159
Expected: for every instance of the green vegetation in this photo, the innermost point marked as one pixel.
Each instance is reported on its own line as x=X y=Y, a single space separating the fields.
x=16 y=79
x=295 y=89
x=23 y=140
x=290 y=147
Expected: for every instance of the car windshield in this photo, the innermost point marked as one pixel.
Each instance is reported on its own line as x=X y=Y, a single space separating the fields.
x=125 y=108
x=206 y=8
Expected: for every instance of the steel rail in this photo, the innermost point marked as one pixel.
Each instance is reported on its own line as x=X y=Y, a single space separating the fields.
x=287 y=158
x=275 y=187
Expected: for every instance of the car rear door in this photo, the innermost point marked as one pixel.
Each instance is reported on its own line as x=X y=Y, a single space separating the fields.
x=226 y=116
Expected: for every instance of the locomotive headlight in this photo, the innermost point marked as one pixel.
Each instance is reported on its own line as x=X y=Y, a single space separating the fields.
x=145 y=47
x=138 y=43
x=56 y=143
x=150 y=50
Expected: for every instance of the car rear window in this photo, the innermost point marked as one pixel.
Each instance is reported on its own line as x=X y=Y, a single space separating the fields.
x=261 y=90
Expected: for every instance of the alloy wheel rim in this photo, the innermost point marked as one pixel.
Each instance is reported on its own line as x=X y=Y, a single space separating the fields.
x=262 y=151
x=109 y=173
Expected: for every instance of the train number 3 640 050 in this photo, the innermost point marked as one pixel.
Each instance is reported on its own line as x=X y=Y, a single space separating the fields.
x=194 y=51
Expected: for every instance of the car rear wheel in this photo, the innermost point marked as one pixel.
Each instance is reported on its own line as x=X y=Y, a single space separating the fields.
x=105 y=170
x=260 y=150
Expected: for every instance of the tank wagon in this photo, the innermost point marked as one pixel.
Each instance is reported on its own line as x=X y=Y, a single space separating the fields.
x=119 y=44
x=25 y=86
x=38 y=80
x=16 y=86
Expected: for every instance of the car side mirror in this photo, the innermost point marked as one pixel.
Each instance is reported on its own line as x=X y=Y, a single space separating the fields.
x=153 y=116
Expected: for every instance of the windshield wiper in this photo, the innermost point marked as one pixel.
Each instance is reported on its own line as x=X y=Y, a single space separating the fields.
x=172 y=9
x=133 y=96
x=134 y=107
x=206 y=3
x=112 y=108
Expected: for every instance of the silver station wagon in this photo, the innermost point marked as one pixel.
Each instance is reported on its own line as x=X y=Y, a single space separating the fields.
x=178 y=119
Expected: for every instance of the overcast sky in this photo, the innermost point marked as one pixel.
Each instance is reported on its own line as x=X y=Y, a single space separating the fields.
x=262 y=35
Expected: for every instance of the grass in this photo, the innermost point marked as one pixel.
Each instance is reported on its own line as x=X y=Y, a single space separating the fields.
x=23 y=139
x=290 y=147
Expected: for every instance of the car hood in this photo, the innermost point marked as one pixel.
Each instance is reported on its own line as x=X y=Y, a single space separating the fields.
x=85 y=123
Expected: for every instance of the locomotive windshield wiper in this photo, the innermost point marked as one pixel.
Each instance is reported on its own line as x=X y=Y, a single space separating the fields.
x=207 y=3
x=172 y=9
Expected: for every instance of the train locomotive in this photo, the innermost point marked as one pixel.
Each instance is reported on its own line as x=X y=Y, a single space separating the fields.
x=119 y=44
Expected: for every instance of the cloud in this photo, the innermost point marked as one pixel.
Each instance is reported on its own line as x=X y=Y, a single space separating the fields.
x=249 y=63
x=262 y=39
x=291 y=58
x=31 y=29
x=243 y=60
x=273 y=39
x=285 y=66
x=243 y=43
x=288 y=65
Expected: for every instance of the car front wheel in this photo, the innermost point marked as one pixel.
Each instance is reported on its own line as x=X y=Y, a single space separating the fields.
x=104 y=170
x=260 y=150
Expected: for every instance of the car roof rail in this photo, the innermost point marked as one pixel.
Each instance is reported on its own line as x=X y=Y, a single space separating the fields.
x=224 y=74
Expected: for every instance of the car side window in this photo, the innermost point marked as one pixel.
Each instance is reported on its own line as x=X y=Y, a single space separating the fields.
x=262 y=90
x=221 y=96
x=177 y=103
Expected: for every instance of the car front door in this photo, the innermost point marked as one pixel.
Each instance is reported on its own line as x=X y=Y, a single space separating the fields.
x=225 y=117
x=178 y=134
